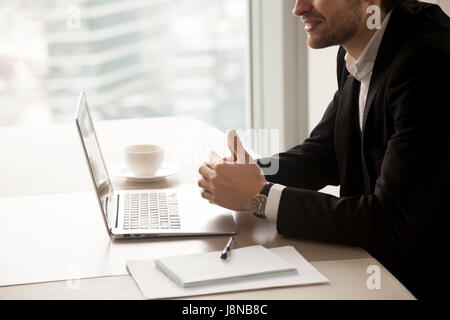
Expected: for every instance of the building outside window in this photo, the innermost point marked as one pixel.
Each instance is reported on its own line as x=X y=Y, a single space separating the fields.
x=133 y=58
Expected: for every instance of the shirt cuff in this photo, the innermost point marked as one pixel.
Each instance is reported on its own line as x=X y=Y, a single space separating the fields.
x=273 y=202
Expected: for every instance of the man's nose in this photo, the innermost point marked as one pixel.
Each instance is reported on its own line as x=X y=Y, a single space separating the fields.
x=301 y=6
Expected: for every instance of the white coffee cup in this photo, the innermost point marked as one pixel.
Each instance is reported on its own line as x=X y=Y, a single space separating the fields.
x=145 y=159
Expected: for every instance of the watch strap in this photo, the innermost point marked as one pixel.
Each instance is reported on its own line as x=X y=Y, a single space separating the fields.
x=266 y=189
x=265 y=192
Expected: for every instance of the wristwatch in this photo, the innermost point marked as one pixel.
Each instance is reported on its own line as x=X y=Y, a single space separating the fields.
x=259 y=201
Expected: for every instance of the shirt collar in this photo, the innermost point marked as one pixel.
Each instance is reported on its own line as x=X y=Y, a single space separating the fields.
x=363 y=67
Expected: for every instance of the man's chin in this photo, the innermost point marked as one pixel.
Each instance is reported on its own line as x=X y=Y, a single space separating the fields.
x=315 y=42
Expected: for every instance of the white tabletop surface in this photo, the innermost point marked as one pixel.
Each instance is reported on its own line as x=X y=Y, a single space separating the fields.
x=39 y=161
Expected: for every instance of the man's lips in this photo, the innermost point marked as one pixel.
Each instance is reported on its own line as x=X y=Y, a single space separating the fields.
x=311 y=24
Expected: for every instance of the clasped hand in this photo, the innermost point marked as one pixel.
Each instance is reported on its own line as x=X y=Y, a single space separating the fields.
x=231 y=182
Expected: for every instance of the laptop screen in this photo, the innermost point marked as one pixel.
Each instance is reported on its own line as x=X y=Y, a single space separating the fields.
x=93 y=153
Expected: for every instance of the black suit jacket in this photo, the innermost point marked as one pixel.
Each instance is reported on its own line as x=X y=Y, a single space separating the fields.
x=395 y=175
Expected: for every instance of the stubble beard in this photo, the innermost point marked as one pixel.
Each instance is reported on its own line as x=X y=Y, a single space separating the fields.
x=341 y=28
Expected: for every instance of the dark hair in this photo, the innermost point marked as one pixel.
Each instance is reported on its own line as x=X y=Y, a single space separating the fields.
x=387 y=5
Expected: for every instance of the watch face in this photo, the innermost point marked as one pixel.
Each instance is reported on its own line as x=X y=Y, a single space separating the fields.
x=258 y=204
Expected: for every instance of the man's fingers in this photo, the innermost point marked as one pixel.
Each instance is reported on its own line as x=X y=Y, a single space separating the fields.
x=238 y=152
x=205 y=184
x=206 y=172
x=214 y=159
x=228 y=160
x=207 y=195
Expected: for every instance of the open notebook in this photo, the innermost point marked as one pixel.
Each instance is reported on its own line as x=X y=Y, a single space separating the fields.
x=207 y=268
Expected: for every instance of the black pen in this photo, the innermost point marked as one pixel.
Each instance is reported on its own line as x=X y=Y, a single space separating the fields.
x=224 y=253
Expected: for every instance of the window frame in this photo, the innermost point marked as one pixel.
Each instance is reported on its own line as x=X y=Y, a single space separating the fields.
x=279 y=87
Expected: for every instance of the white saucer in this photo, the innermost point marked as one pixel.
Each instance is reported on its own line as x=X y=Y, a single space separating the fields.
x=165 y=171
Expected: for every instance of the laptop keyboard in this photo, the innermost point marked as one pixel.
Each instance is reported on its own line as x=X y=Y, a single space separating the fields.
x=152 y=210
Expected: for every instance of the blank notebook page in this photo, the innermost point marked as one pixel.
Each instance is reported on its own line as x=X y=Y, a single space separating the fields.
x=208 y=268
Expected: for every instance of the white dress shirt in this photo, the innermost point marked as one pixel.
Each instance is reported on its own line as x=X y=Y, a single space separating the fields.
x=361 y=69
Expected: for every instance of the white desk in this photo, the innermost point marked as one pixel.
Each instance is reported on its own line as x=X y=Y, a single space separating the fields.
x=48 y=160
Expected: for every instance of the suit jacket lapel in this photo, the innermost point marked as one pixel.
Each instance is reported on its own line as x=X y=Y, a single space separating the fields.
x=393 y=34
x=348 y=122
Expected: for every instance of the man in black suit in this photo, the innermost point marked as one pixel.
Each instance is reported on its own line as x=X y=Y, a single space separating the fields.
x=383 y=139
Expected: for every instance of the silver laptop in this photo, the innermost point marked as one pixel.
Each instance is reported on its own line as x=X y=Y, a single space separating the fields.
x=147 y=213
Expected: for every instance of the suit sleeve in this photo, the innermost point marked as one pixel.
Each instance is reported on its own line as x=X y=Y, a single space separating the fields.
x=414 y=177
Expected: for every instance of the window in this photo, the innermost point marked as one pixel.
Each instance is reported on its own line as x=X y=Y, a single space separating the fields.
x=134 y=58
